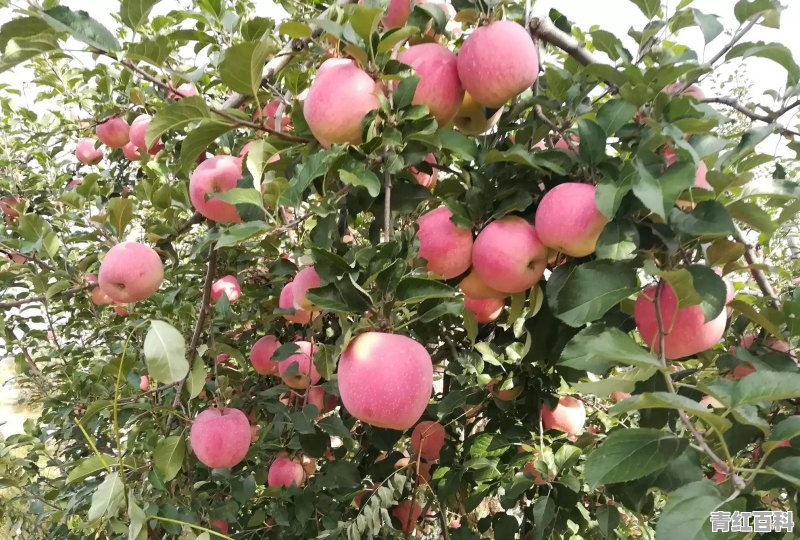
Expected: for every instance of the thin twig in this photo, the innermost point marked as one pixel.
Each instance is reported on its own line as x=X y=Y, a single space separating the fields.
x=766 y=118
x=758 y=274
x=545 y=30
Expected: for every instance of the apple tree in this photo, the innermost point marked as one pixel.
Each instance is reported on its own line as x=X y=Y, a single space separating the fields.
x=397 y=269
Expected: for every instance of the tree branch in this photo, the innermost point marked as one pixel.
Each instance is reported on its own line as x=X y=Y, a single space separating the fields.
x=766 y=118
x=387 y=206
x=542 y=28
x=758 y=275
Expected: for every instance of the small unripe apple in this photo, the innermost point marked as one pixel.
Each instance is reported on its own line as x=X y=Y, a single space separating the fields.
x=306 y=279
x=87 y=153
x=130 y=272
x=304 y=360
x=144 y=383
x=569 y=415
x=474 y=287
x=216 y=175
x=446 y=247
x=261 y=355
x=227 y=285
x=473 y=118
x=485 y=310
x=424 y=179
x=220 y=438
x=138 y=130
x=285 y=471
x=113 y=132
x=568 y=219
x=407 y=512
x=427 y=440
x=286 y=301
x=439 y=87
x=131 y=153
x=509 y=256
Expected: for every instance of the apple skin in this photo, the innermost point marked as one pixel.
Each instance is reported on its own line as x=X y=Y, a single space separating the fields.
x=216 y=175
x=530 y=468
x=7 y=205
x=439 y=87
x=474 y=287
x=407 y=512
x=221 y=525
x=286 y=301
x=261 y=355
x=227 y=285
x=485 y=310
x=427 y=440
x=220 y=438
x=120 y=310
x=424 y=179
x=113 y=132
x=144 y=383
x=618 y=396
x=306 y=279
x=568 y=219
x=318 y=398
x=446 y=247
x=693 y=91
x=508 y=255
x=305 y=367
x=505 y=395
x=99 y=298
x=130 y=272
x=687 y=333
x=267 y=116
x=138 y=129
x=398 y=11
x=700 y=181
x=183 y=90
x=131 y=153
x=472 y=118
x=385 y=380
x=569 y=415
x=284 y=471
x=341 y=95
x=87 y=153
x=497 y=62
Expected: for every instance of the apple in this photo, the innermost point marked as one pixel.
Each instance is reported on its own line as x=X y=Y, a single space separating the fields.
x=309 y=465
x=220 y=438
x=474 y=287
x=497 y=62
x=530 y=468
x=130 y=272
x=685 y=329
x=424 y=468
x=87 y=153
x=700 y=182
x=446 y=247
x=424 y=179
x=227 y=285
x=427 y=440
x=317 y=397
x=385 y=380
x=184 y=90
x=509 y=394
x=509 y=256
x=305 y=367
x=216 y=175
x=473 y=118
x=221 y=525
x=562 y=144
x=138 y=129
x=114 y=132
x=285 y=471
x=407 y=512
x=398 y=11
x=693 y=91
x=8 y=203
x=130 y=152
x=261 y=355
x=485 y=310
x=341 y=95
x=569 y=415
x=121 y=310
x=221 y=358
x=91 y=279
x=99 y=298
x=267 y=116
x=710 y=402
x=568 y=219
x=144 y=383
x=286 y=301
x=619 y=396
x=75 y=182
x=306 y=279
x=439 y=87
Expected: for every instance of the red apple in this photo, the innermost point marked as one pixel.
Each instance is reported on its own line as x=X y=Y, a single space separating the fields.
x=485 y=310
x=306 y=279
x=474 y=287
x=130 y=152
x=424 y=179
x=427 y=440
x=144 y=383
x=220 y=438
x=693 y=91
x=261 y=355
x=114 y=132
x=267 y=116
x=568 y=219
x=510 y=394
x=227 y=285
x=407 y=512
x=216 y=175
x=473 y=118
x=446 y=247
x=305 y=367
x=87 y=153
x=130 y=272
x=569 y=415
x=138 y=130
x=284 y=471
x=221 y=525
x=184 y=90
x=439 y=87
x=700 y=182
x=286 y=301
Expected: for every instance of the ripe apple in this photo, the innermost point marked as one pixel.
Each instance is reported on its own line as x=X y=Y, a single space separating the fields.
x=121 y=310
x=305 y=367
x=685 y=329
x=424 y=179
x=130 y=272
x=221 y=525
x=144 y=383
x=473 y=118
x=220 y=438
x=87 y=153
x=445 y=246
x=569 y=415
x=427 y=440
x=286 y=301
x=138 y=129
x=385 y=380
x=227 y=285
x=509 y=256
x=497 y=62
x=184 y=90
x=261 y=355
x=530 y=468
x=285 y=471
x=700 y=181
x=341 y=95
x=130 y=152
x=485 y=310
x=114 y=132
x=267 y=116
x=91 y=279
x=568 y=219
x=397 y=11
x=317 y=397
x=439 y=87
x=474 y=287
x=306 y=279
x=693 y=91
x=216 y=175
x=407 y=512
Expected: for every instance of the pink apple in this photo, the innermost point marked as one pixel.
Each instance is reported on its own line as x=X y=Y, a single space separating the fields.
x=99 y=298
x=120 y=310
x=530 y=468
x=340 y=97
x=568 y=219
x=398 y=11
x=222 y=358
x=446 y=247
x=569 y=415
x=87 y=153
x=498 y=62
x=286 y=301
x=318 y=398
x=424 y=179
x=144 y=383
x=685 y=331
x=619 y=396
x=184 y=90
x=284 y=471
x=131 y=153
x=439 y=87
x=385 y=380
x=75 y=182
x=693 y=91
x=509 y=256
x=306 y=279
x=304 y=360
x=475 y=288
x=407 y=512
x=220 y=438
x=267 y=115
x=227 y=285
x=216 y=175
x=261 y=355
x=91 y=279
x=427 y=440
x=700 y=181
x=485 y=310
x=113 y=132
x=138 y=130
x=130 y=272
x=742 y=370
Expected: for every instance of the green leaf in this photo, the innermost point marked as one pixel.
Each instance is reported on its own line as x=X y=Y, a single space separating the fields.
x=199 y=139
x=242 y=64
x=776 y=52
x=757 y=317
x=710 y=288
x=607 y=520
x=82 y=27
x=168 y=456
x=786 y=429
x=708 y=219
x=240 y=196
x=660 y=194
x=239 y=232
x=134 y=13
x=196 y=379
x=89 y=466
x=592 y=148
x=23 y=27
x=312 y=168
x=462 y=146
x=404 y=92
x=107 y=498
x=584 y=293
x=393 y=37
x=610 y=345
x=137 y=530
x=176 y=115
x=165 y=352
x=628 y=454
x=415 y=289
x=154 y=51
x=709 y=25
x=666 y=400
x=38 y=234
x=765 y=386
x=362 y=177
x=686 y=514
x=365 y=21
x=745 y=9
x=614 y=114
x=618 y=241
x=650 y=8
x=295 y=29
x=120 y=213
x=20 y=49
